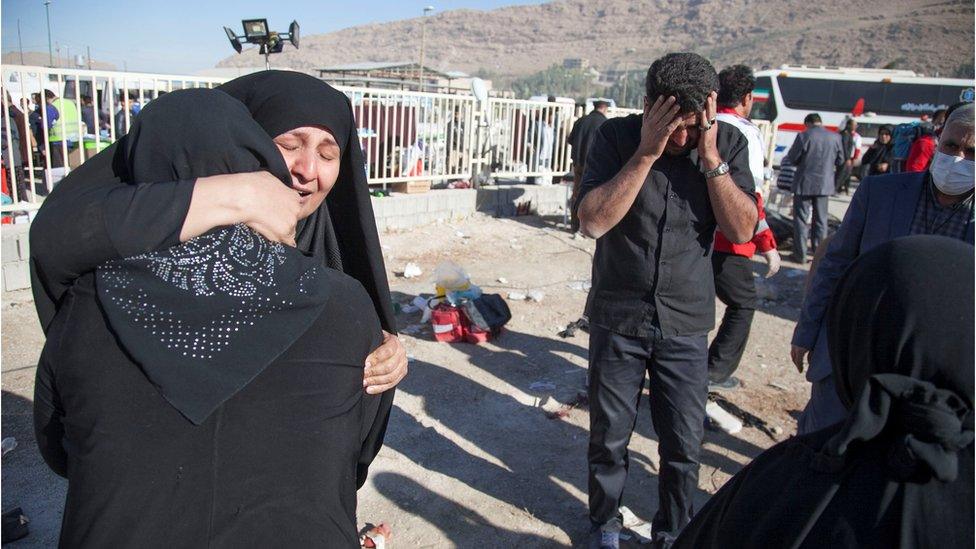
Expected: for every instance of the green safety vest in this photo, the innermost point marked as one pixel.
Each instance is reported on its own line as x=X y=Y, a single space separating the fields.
x=68 y=116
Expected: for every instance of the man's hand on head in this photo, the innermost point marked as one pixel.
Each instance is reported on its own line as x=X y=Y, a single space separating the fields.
x=708 y=136
x=660 y=121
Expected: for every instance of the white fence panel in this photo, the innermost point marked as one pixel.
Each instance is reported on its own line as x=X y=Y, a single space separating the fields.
x=413 y=136
x=84 y=111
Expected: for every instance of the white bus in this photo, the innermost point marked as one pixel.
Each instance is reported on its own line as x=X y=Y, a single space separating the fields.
x=786 y=95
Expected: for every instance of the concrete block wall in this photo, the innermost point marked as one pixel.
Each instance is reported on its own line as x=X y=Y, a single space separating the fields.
x=503 y=200
x=15 y=251
x=403 y=211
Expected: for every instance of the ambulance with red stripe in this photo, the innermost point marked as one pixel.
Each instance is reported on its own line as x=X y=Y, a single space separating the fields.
x=786 y=95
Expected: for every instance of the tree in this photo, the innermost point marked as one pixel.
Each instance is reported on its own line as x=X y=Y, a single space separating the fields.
x=556 y=80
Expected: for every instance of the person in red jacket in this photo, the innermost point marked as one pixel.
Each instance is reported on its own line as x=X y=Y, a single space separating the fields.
x=923 y=148
x=732 y=263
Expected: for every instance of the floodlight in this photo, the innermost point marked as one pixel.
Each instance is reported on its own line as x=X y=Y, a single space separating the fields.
x=293 y=31
x=255 y=30
x=234 y=41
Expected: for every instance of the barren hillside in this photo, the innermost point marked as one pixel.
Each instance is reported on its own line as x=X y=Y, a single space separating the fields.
x=928 y=36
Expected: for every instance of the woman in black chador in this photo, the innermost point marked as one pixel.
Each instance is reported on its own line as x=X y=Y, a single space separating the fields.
x=210 y=394
x=898 y=472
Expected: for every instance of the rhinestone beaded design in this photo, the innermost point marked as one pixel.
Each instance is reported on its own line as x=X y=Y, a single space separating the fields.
x=234 y=262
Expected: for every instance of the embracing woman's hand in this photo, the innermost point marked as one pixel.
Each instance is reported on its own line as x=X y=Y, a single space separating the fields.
x=270 y=208
x=386 y=366
x=257 y=199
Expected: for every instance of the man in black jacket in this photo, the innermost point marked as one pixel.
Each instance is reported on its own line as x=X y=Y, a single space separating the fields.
x=579 y=139
x=655 y=189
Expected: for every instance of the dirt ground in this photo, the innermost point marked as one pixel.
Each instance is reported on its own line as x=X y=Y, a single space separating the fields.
x=471 y=458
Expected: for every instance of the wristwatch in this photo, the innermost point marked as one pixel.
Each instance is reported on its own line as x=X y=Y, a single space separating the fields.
x=721 y=169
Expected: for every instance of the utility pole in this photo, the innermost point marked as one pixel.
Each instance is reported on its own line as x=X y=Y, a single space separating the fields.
x=50 y=51
x=20 y=43
x=88 y=56
x=623 y=100
x=423 y=43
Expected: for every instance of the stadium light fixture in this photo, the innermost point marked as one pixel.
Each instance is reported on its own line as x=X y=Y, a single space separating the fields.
x=256 y=32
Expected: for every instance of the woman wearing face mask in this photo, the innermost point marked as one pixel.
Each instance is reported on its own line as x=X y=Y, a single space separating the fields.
x=938 y=201
x=95 y=216
x=210 y=394
x=877 y=158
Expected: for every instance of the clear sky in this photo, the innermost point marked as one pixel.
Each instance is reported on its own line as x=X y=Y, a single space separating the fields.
x=182 y=36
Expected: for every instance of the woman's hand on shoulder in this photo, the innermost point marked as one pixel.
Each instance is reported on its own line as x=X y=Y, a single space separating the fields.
x=386 y=366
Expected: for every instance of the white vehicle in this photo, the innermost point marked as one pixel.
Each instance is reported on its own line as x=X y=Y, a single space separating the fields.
x=785 y=96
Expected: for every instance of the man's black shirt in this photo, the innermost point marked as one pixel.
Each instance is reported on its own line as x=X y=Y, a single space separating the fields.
x=654 y=267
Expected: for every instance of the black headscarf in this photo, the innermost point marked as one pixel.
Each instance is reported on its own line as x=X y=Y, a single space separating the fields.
x=203 y=318
x=900 y=334
x=343 y=230
x=342 y=233
x=899 y=471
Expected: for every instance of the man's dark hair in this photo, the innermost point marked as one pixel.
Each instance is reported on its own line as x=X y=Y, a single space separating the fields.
x=689 y=77
x=812 y=118
x=85 y=98
x=48 y=94
x=734 y=83
x=600 y=104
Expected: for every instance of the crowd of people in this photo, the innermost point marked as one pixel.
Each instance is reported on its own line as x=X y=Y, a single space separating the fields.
x=189 y=280
x=889 y=427
x=60 y=125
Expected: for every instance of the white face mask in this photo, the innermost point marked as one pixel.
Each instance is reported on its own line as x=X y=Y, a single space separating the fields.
x=952 y=175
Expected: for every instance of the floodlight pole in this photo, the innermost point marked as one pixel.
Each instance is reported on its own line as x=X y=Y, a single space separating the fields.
x=50 y=50
x=423 y=43
x=267 y=58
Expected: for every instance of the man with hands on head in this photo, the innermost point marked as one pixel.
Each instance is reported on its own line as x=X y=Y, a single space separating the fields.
x=655 y=189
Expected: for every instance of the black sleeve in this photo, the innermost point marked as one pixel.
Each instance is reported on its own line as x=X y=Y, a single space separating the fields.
x=92 y=217
x=376 y=417
x=602 y=162
x=48 y=428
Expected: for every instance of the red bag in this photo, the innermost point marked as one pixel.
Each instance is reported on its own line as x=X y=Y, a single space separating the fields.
x=447 y=322
x=472 y=333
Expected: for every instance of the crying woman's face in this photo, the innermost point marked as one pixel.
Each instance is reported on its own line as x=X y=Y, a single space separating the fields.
x=313 y=158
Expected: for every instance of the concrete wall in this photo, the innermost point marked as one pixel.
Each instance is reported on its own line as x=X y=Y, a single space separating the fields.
x=404 y=211
x=396 y=212
x=15 y=273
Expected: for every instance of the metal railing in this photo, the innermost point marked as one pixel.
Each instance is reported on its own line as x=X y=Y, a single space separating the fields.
x=413 y=136
x=42 y=149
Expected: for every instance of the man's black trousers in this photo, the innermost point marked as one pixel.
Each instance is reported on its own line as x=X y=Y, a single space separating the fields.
x=677 y=368
x=736 y=287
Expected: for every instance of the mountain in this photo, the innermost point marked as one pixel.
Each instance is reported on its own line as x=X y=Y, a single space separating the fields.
x=928 y=36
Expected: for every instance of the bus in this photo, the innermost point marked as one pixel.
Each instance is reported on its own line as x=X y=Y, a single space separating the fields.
x=786 y=95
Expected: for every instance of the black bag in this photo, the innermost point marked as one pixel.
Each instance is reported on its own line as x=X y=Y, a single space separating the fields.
x=489 y=312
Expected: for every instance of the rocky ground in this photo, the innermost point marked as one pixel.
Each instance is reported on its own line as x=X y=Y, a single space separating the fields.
x=472 y=459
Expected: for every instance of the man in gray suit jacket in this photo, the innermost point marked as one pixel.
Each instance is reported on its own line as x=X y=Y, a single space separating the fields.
x=816 y=153
x=884 y=207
